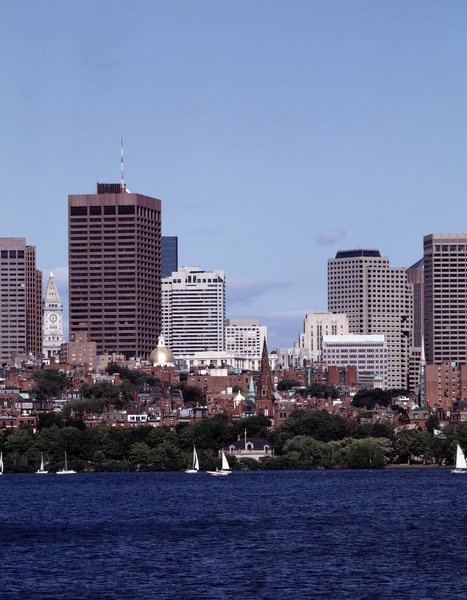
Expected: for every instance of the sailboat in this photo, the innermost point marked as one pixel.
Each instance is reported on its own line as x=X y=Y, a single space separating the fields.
x=224 y=470
x=65 y=470
x=1 y=463
x=41 y=469
x=195 y=467
x=461 y=464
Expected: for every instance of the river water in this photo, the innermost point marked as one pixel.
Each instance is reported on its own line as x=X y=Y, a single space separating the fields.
x=396 y=533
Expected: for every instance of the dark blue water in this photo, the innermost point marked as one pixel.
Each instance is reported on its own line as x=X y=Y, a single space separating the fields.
x=315 y=534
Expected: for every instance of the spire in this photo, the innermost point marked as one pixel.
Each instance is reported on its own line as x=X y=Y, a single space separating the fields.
x=251 y=391
x=51 y=293
x=264 y=387
x=122 y=174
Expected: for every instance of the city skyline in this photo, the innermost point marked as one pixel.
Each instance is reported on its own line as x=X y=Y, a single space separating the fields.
x=274 y=136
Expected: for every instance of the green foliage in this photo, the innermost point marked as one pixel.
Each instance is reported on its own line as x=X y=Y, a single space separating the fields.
x=255 y=427
x=318 y=424
x=49 y=383
x=369 y=453
x=370 y=398
x=104 y=391
x=135 y=378
x=208 y=434
x=288 y=384
x=320 y=390
x=432 y=423
x=193 y=395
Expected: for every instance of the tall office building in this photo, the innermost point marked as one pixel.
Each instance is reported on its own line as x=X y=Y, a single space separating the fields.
x=315 y=326
x=445 y=297
x=245 y=337
x=415 y=284
x=114 y=259
x=21 y=302
x=52 y=318
x=169 y=255
x=376 y=301
x=193 y=311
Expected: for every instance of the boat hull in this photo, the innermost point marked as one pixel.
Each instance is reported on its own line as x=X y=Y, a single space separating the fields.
x=218 y=473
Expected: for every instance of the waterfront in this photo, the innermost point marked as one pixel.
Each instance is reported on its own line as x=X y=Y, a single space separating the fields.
x=288 y=534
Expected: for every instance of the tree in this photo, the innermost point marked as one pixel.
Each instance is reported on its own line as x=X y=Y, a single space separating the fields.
x=318 y=424
x=255 y=427
x=402 y=444
x=370 y=398
x=287 y=384
x=370 y=453
x=421 y=445
x=209 y=434
x=320 y=390
x=49 y=383
x=193 y=395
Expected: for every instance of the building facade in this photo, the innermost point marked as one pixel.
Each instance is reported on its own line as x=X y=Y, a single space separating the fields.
x=193 y=311
x=79 y=352
x=169 y=255
x=367 y=352
x=415 y=283
x=376 y=301
x=445 y=297
x=114 y=260
x=315 y=326
x=52 y=320
x=21 y=300
x=245 y=337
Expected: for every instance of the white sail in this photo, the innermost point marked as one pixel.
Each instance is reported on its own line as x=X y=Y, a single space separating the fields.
x=1 y=463
x=225 y=463
x=195 y=466
x=460 y=459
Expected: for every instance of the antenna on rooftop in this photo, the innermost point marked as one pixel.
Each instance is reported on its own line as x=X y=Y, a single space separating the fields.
x=122 y=175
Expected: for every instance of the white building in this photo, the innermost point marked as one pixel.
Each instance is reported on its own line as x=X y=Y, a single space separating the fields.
x=368 y=352
x=245 y=337
x=376 y=300
x=193 y=311
x=52 y=320
x=315 y=326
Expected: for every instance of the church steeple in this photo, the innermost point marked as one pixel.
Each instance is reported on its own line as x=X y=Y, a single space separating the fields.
x=265 y=387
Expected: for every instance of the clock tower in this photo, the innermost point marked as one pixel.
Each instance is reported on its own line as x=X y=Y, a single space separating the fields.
x=52 y=328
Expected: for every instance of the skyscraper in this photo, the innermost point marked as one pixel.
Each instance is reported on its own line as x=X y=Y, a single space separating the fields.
x=169 y=255
x=21 y=302
x=52 y=316
x=193 y=309
x=375 y=299
x=114 y=258
x=445 y=297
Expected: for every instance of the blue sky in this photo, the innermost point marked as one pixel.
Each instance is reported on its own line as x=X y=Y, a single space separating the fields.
x=274 y=132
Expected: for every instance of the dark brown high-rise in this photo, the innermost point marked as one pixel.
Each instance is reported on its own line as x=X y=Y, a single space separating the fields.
x=114 y=261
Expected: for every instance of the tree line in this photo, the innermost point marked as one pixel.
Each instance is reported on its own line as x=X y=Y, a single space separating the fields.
x=305 y=440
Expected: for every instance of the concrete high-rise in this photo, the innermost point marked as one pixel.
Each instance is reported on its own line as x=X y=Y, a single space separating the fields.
x=376 y=301
x=114 y=259
x=245 y=337
x=193 y=310
x=315 y=326
x=445 y=297
x=21 y=301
